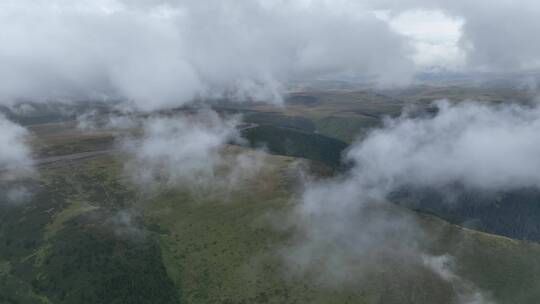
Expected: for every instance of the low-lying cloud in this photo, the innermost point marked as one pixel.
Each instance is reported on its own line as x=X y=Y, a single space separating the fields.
x=15 y=163
x=93 y=120
x=348 y=222
x=187 y=151
x=15 y=152
x=481 y=146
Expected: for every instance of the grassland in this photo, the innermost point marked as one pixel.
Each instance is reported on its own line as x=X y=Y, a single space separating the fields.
x=347 y=114
x=70 y=243
x=221 y=248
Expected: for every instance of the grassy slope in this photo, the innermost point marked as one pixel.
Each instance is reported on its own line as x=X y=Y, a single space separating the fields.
x=62 y=248
x=343 y=115
x=226 y=252
x=504 y=267
x=222 y=253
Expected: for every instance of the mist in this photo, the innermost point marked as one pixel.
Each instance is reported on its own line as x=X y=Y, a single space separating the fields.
x=486 y=147
x=347 y=226
x=156 y=55
x=165 y=54
x=188 y=152
x=15 y=155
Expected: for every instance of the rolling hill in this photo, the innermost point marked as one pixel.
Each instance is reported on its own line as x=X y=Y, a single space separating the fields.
x=88 y=236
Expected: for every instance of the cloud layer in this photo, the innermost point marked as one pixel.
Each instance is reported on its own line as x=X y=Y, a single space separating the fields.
x=495 y=35
x=166 y=53
x=348 y=220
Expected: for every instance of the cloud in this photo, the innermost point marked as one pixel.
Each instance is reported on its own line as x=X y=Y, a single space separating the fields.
x=15 y=162
x=434 y=34
x=187 y=151
x=344 y=229
x=163 y=54
x=127 y=224
x=15 y=152
x=481 y=146
x=17 y=195
x=496 y=36
x=183 y=149
x=511 y=46
x=166 y=53
x=467 y=293
x=346 y=226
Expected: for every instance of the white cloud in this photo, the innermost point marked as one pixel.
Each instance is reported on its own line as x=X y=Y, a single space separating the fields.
x=496 y=36
x=346 y=227
x=18 y=195
x=179 y=150
x=166 y=53
x=187 y=152
x=434 y=35
x=15 y=152
x=481 y=146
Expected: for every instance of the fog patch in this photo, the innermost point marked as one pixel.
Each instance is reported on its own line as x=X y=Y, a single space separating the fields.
x=188 y=152
x=16 y=163
x=241 y=167
x=15 y=152
x=479 y=146
x=467 y=293
x=128 y=224
x=346 y=228
x=18 y=195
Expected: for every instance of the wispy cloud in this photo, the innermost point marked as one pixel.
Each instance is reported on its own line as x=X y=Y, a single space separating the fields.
x=15 y=152
x=346 y=227
x=187 y=151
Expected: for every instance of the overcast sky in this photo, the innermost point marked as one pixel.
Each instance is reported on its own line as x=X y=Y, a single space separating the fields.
x=434 y=35
x=162 y=53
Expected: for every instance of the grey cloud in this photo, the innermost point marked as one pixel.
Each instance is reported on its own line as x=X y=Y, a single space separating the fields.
x=344 y=229
x=18 y=195
x=179 y=149
x=164 y=53
x=497 y=36
x=188 y=152
x=127 y=224
x=15 y=162
x=481 y=146
x=467 y=293
x=15 y=152
x=346 y=226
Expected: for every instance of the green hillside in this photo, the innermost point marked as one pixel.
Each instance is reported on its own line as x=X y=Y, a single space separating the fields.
x=90 y=237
